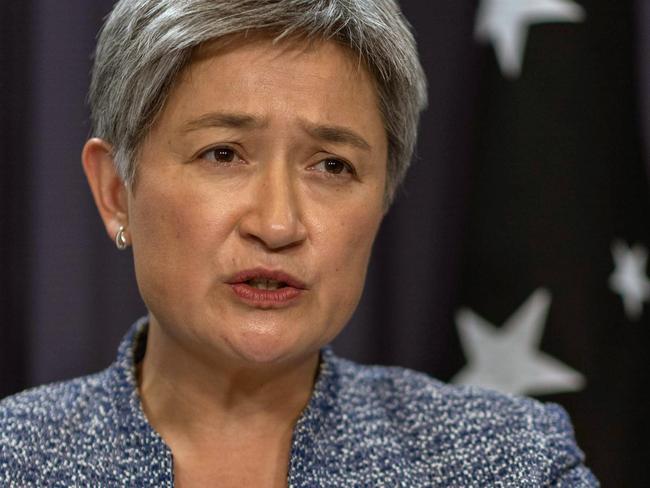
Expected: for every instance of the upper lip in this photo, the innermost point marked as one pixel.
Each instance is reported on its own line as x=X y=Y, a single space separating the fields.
x=266 y=274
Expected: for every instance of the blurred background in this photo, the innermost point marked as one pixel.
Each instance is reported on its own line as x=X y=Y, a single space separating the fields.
x=515 y=256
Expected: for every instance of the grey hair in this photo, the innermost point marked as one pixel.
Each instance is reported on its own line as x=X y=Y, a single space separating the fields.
x=145 y=44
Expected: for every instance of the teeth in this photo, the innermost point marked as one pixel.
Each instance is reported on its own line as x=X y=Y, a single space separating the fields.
x=263 y=284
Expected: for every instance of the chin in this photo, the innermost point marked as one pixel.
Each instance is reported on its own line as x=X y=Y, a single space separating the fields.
x=266 y=346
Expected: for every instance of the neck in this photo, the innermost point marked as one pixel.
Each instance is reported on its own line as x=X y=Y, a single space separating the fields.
x=192 y=400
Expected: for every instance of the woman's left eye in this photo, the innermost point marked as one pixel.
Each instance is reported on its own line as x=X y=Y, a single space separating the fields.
x=220 y=155
x=334 y=166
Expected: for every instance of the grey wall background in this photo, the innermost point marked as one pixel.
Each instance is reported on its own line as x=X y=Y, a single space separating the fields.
x=462 y=231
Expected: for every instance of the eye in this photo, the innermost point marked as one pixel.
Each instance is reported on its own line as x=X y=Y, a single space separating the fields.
x=220 y=155
x=334 y=166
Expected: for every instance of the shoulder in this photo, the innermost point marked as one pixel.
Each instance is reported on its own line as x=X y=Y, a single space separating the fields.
x=464 y=429
x=43 y=427
x=406 y=391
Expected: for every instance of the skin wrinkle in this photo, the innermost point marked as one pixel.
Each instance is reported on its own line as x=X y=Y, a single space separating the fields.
x=333 y=134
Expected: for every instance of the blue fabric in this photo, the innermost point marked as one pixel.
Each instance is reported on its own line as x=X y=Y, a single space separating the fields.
x=364 y=426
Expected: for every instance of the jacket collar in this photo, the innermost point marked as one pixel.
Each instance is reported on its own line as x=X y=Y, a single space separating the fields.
x=141 y=447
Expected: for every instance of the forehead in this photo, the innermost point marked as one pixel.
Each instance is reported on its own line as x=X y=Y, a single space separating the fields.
x=265 y=46
x=256 y=73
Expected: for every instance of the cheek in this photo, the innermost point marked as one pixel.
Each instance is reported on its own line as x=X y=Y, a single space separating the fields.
x=349 y=247
x=172 y=236
x=347 y=250
x=158 y=222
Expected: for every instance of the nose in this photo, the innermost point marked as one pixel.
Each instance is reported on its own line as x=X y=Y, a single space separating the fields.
x=274 y=218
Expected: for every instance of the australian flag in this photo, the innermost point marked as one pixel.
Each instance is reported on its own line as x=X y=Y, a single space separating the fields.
x=516 y=256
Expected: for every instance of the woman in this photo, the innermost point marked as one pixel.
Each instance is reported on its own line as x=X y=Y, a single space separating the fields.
x=247 y=151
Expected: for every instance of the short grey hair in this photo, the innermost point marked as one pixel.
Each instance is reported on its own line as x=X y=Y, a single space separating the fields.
x=145 y=44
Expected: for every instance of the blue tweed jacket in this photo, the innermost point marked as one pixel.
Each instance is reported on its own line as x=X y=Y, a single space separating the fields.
x=364 y=426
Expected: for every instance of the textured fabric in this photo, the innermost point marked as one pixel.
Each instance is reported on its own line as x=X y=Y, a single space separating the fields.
x=364 y=426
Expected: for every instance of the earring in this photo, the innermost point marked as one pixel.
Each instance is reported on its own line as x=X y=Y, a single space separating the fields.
x=120 y=239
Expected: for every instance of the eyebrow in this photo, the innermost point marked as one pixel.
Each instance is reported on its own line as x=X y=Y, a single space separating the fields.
x=223 y=119
x=336 y=135
x=329 y=133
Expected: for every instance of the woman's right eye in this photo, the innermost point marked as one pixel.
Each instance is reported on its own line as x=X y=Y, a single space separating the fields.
x=220 y=155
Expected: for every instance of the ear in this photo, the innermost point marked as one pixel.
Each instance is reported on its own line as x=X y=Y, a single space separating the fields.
x=109 y=190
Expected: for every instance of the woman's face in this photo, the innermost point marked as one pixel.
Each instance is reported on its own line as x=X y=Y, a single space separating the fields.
x=259 y=194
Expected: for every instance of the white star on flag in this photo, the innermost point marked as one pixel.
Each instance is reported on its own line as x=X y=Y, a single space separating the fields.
x=506 y=22
x=629 y=278
x=508 y=358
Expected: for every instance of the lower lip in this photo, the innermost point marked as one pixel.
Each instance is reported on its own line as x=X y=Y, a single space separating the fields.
x=282 y=297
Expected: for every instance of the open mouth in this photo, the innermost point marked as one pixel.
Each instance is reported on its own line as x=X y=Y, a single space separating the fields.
x=265 y=279
x=266 y=289
x=266 y=284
